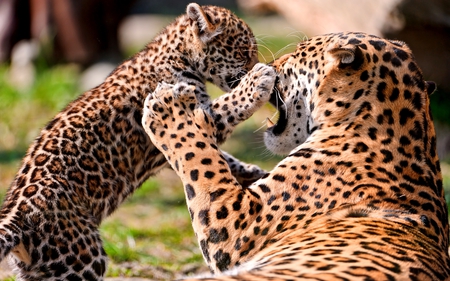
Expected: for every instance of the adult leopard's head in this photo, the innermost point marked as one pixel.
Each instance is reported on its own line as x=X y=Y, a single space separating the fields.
x=221 y=47
x=344 y=78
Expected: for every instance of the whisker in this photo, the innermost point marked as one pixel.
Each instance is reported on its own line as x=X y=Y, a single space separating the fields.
x=267 y=154
x=262 y=37
x=277 y=92
x=260 y=54
x=269 y=50
x=260 y=128
x=277 y=54
x=298 y=34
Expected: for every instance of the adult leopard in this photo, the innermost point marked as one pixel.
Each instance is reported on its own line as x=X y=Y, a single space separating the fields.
x=359 y=196
x=95 y=153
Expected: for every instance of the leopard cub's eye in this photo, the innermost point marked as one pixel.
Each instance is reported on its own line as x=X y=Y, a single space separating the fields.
x=243 y=53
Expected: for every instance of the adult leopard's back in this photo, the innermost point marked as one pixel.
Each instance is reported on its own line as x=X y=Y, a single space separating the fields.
x=359 y=196
x=95 y=153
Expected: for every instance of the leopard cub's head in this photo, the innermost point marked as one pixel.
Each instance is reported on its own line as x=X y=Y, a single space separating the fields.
x=220 y=46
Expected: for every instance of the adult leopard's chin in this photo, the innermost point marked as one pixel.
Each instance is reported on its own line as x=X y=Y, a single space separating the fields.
x=290 y=129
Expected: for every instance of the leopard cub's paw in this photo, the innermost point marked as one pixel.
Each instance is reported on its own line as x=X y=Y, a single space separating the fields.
x=263 y=77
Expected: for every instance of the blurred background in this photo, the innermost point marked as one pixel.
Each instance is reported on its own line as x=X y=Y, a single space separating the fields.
x=53 y=50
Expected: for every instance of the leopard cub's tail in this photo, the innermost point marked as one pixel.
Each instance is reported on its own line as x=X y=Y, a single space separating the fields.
x=11 y=240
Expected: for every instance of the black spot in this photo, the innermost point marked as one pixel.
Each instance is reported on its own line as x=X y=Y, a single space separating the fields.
x=99 y=268
x=209 y=174
x=394 y=95
x=251 y=246
x=383 y=71
x=264 y=188
x=216 y=194
x=360 y=147
x=200 y=144
x=388 y=157
x=206 y=161
x=190 y=192
x=375 y=58
x=417 y=169
x=358 y=94
x=401 y=54
x=378 y=45
x=417 y=101
x=380 y=91
x=396 y=62
x=354 y=41
x=222 y=213
x=216 y=236
x=373 y=133
x=279 y=178
x=364 y=106
x=189 y=156
x=404 y=141
x=387 y=57
x=286 y=196
x=223 y=260
x=205 y=250
x=412 y=66
x=194 y=175
x=88 y=275
x=417 y=132
x=405 y=114
x=364 y=76
x=407 y=80
x=203 y=215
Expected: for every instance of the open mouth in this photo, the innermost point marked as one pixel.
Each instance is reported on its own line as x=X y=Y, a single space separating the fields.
x=279 y=104
x=233 y=81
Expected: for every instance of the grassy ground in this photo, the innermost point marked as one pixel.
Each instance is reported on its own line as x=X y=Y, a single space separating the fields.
x=150 y=235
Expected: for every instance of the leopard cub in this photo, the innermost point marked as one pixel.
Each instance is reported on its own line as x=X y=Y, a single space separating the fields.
x=95 y=153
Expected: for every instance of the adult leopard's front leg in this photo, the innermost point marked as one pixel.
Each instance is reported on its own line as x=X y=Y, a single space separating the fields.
x=186 y=134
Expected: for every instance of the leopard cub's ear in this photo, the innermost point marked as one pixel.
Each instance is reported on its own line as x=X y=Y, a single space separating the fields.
x=206 y=30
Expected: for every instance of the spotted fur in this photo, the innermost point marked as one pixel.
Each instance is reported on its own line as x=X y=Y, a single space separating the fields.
x=359 y=196
x=95 y=153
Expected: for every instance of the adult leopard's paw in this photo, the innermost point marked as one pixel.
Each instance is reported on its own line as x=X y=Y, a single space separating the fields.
x=172 y=114
x=163 y=107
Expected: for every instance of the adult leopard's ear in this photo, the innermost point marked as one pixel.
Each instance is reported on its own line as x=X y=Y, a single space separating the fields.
x=206 y=30
x=431 y=87
x=349 y=55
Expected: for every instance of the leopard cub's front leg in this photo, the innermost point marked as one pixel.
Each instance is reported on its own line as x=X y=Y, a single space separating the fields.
x=232 y=108
x=237 y=106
